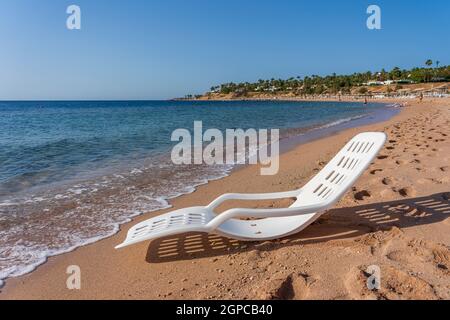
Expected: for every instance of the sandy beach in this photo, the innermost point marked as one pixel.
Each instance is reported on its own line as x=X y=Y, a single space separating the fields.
x=395 y=217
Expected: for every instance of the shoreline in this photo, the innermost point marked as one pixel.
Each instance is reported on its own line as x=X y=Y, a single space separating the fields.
x=285 y=98
x=296 y=137
x=18 y=287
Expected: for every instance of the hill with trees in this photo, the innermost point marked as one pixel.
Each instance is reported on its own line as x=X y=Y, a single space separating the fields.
x=352 y=84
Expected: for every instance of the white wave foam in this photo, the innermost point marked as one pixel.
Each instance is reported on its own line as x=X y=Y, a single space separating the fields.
x=7 y=203
x=28 y=257
x=340 y=121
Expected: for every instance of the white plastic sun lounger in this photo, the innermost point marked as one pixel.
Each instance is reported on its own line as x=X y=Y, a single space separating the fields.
x=318 y=195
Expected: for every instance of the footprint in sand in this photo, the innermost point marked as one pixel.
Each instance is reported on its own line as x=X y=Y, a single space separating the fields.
x=397 y=282
x=375 y=171
x=355 y=283
x=291 y=287
x=385 y=193
x=442 y=259
x=401 y=162
x=362 y=194
x=382 y=157
x=403 y=256
x=407 y=192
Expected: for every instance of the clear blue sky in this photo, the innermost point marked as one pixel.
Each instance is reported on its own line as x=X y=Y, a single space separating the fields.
x=144 y=49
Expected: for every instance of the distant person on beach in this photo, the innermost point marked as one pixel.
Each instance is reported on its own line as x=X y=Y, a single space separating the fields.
x=365 y=100
x=421 y=97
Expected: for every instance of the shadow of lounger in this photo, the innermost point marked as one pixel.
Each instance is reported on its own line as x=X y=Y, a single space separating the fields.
x=341 y=223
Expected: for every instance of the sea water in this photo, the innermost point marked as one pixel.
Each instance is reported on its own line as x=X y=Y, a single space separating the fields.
x=72 y=172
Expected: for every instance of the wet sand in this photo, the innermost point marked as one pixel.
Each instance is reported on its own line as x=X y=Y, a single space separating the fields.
x=395 y=217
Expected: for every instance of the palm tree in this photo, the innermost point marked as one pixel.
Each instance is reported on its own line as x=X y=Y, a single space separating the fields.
x=437 y=63
x=395 y=74
x=429 y=62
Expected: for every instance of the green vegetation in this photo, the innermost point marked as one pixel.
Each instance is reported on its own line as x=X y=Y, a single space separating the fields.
x=339 y=84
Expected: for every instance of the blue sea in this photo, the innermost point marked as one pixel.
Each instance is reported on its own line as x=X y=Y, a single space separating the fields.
x=72 y=172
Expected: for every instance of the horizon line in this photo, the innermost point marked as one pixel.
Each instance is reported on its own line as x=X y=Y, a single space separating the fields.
x=82 y=100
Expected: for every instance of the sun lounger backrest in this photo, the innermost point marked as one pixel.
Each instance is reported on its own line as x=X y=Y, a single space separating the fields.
x=343 y=170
